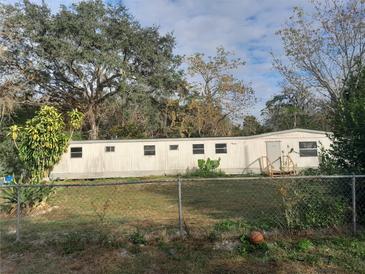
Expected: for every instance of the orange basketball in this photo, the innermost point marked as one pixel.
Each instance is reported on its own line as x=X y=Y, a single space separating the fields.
x=256 y=237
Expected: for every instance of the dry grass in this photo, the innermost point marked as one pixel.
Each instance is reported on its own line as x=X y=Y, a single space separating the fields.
x=189 y=256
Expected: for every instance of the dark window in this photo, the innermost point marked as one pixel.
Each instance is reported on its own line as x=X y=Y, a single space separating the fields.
x=76 y=152
x=149 y=150
x=220 y=148
x=198 y=149
x=109 y=148
x=174 y=147
x=308 y=149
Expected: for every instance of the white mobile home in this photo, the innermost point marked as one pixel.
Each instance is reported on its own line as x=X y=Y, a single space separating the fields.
x=286 y=150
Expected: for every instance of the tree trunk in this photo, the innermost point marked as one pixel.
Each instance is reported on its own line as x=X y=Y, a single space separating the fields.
x=94 y=128
x=295 y=120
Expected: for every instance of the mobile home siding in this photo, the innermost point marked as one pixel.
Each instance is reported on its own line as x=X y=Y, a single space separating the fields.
x=129 y=159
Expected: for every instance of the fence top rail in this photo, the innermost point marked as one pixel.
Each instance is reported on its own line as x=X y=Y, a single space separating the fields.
x=140 y=182
x=174 y=180
x=273 y=178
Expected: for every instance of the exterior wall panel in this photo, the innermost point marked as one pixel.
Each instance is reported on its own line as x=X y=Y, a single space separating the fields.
x=128 y=159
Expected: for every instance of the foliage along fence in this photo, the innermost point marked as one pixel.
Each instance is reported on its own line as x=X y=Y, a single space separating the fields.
x=189 y=206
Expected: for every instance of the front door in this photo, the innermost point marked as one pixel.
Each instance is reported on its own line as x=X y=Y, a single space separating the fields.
x=273 y=153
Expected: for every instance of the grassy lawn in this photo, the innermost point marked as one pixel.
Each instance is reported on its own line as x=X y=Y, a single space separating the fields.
x=134 y=229
x=154 y=206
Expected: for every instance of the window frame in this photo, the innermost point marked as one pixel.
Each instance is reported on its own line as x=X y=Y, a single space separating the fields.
x=303 y=149
x=109 y=149
x=76 y=154
x=149 y=151
x=200 y=150
x=221 y=150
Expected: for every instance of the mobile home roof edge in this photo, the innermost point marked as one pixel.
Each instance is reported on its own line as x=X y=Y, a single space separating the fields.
x=202 y=138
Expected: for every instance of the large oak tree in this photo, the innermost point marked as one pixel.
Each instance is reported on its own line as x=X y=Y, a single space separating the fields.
x=85 y=54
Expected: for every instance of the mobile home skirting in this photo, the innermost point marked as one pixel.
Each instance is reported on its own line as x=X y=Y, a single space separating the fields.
x=170 y=156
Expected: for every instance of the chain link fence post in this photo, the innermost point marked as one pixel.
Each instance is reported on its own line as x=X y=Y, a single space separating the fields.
x=354 y=217
x=181 y=229
x=18 y=213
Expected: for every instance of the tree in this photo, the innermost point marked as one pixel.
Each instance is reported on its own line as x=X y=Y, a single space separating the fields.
x=348 y=122
x=139 y=115
x=220 y=95
x=251 y=126
x=43 y=140
x=322 y=48
x=135 y=116
x=85 y=54
x=7 y=103
x=200 y=118
x=293 y=108
x=11 y=91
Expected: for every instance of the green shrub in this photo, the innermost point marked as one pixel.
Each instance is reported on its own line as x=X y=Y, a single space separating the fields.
x=30 y=197
x=208 y=165
x=322 y=211
x=309 y=172
x=328 y=164
x=43 y=139
x=40 y=143
x=9 y=161
x=309 y=205
x=207 y=168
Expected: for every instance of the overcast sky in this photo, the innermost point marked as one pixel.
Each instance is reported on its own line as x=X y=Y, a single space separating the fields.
x=246 y=27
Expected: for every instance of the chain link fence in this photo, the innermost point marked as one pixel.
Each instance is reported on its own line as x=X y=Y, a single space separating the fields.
x=182 y=207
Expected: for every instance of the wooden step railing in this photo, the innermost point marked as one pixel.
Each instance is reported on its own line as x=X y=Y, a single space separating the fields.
x=266 y=166
x=287 y=166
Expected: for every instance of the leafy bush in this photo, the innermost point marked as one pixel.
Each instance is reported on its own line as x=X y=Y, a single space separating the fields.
x=309 y=172
x=208 y=165
x=40 y=145
x=9 y=161
x=312 y=206
x=348 y=124
x=328 y=164
x=43 y=140
x=30 y=197
x=207 y=168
